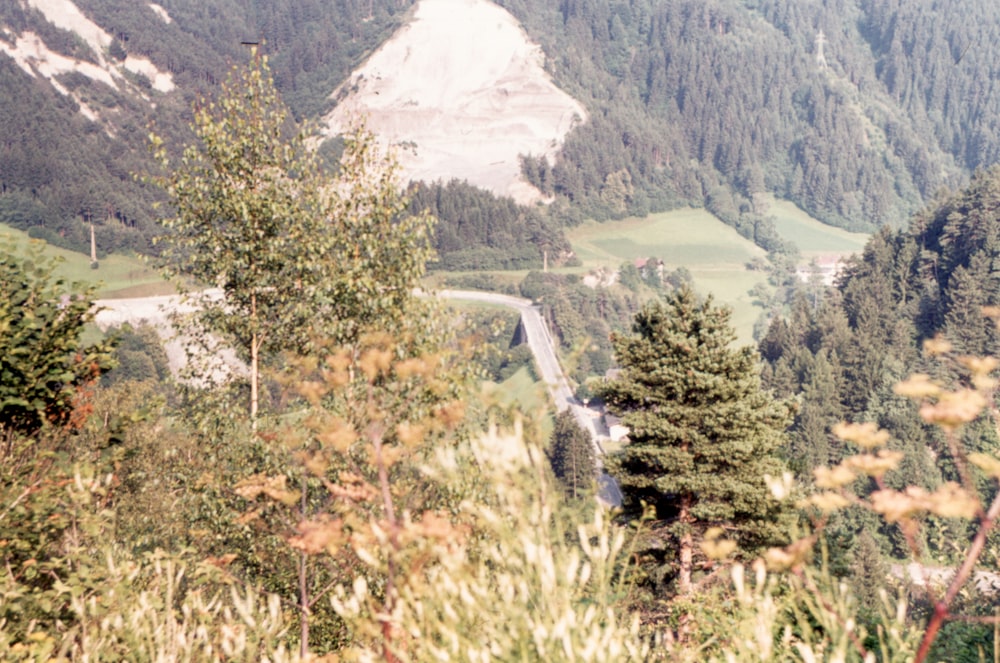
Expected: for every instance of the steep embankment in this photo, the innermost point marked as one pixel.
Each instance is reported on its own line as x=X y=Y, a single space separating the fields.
x=460 y=92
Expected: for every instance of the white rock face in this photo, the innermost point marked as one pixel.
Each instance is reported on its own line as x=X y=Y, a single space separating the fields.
x=35 y=58
x=460 y=92
x=161 y=12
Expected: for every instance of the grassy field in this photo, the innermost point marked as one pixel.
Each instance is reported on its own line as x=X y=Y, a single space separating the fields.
x=813 y=237
x=690 y=237
x=693 y=238
x=117 y=276
x=521 y=393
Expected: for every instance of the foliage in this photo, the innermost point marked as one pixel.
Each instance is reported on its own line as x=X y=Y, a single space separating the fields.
x=504 y=582
x=479 y=231
x=74 y=597
x=294 y=256
x=951 y=505
x=702 y=433
x=581 y=318
x=807 y=615
x=138 y=356
x=44 y=363
x=571 y=452
x=845 y=349
x=75 y=169
x=714 y=103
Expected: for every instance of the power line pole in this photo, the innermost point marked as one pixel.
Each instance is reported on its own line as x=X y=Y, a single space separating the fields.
x=820 y=57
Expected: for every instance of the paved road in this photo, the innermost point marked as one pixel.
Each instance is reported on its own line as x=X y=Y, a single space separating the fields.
x=154 y=310
x=544 y=349
x=985 y=582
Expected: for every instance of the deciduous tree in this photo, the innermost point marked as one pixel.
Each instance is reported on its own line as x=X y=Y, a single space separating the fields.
x=296 y=254
x=43 y=359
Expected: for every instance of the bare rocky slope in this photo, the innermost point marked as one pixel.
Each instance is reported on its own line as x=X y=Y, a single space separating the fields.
x=460 y=92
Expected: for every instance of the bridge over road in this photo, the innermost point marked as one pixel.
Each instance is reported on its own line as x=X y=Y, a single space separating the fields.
x=543 y=348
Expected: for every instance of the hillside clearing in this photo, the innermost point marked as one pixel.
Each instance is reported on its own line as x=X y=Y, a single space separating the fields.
x=117 y=276
x=715 y=254
x=814 y=238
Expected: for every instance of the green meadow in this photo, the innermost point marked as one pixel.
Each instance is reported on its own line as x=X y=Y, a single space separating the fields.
x=690 y=237
x=522 y=393
x=116 y=276
x=715 y=254
x=814 y=238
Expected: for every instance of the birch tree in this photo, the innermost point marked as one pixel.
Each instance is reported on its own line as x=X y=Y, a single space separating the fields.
x=271 y=251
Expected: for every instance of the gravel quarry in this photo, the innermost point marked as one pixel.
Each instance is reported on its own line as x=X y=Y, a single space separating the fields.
x=459 y=92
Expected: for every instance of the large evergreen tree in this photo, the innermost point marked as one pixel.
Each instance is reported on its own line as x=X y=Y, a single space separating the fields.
x=703 y=434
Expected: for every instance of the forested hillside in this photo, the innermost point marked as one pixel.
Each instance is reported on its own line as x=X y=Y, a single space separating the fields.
x=857 y=110
x=717 y=101
x=845 y=353
x=59 y=169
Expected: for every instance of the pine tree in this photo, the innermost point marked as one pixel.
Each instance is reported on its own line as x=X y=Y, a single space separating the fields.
x=572 y=455
x=703 y=434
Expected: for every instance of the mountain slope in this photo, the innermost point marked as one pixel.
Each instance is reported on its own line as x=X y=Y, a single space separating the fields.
x=81 y=82
x=461 y=92
x=698 y=94
x=857 y=110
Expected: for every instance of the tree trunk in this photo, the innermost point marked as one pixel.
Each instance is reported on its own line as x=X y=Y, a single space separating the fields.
x=686 y=549
x=303 y=590
x=253 y=362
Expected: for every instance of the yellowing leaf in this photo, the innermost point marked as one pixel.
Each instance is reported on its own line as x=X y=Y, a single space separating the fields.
x=866 y=435
x=979 y=365
x=260 y=484
x=828 y=502
x=319 y=535
x=986 y=463
x=918 y=387
x=795 y=554
x=937 y=346
x=718 y=549
x=893 y=505
x=833 y=477
x=374 y=362
x=337 y=435
x=952 y=501
x=410 y=434
x=312 y=391
x=954 y=408
x=875 y=465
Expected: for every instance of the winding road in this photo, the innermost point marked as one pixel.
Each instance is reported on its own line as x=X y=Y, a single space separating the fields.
x=544 y=349
x=155 y=310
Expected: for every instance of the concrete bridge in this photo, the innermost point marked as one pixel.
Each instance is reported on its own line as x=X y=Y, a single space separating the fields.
x=156 y=311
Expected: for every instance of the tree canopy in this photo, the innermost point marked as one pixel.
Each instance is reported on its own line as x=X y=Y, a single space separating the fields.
x=295 y=253
x=572 y=454
x=44 y=360
x=702 y=433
